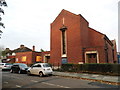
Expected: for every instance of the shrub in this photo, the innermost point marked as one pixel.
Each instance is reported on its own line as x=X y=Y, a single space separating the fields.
x=113 y=69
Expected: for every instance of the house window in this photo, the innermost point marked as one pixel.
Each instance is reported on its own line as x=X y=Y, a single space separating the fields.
x=38 y=58
x=24 y=59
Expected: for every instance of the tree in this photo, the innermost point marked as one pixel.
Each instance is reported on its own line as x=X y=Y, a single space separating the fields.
x=1 y=50
x=41 y=50
x=2 y=3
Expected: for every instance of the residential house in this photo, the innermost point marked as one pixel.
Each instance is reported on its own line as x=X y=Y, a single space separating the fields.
x=26 y=55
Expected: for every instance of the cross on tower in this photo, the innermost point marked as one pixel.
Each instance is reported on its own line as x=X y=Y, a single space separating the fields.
x=63 y=28
x=63 y=20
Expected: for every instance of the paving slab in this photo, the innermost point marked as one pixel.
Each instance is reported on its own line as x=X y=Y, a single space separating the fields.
x=115 y=79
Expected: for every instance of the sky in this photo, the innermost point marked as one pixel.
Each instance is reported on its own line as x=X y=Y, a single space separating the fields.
x=27 y=22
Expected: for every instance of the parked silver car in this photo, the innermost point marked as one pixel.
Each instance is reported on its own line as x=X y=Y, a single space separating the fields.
x=5 y=66
x=40 y=69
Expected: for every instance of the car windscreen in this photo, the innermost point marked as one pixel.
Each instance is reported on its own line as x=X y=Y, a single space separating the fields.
x=8 y=64
x=23 y=65
x=46 y=65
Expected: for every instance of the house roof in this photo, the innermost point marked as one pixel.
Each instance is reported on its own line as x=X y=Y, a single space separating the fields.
x=47 y=52
x=7 y=50
x=23 y=49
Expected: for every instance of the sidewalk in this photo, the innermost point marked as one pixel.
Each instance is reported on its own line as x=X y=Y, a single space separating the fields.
x=112 y=79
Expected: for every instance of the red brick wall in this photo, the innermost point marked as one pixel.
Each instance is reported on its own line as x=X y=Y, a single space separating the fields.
x=28 y=57
x=73 y=39
x=96 y=41
x=72 y=22
x=110 y=53
x=35 y=54
x=95 y=38
x=84 y=32
x=115 y=51
x=101 y=53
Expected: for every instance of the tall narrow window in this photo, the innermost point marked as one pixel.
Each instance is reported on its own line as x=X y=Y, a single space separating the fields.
x=63 y=31
x=63 y=42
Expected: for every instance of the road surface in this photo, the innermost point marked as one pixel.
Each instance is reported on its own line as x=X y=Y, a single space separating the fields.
x=14 y=80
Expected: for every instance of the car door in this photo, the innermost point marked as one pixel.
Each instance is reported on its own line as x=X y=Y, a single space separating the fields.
x=38 y=69
x=15 y=68
x=33 y=69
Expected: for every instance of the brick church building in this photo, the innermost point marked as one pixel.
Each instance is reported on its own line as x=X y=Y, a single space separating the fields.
x=73 y=41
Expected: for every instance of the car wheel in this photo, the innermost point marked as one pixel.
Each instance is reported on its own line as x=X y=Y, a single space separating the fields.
x=11 y=71
x=41 y=74
x=50 y=74
x=28 y=73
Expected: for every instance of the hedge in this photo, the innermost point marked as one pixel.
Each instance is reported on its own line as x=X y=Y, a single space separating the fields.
x=113 y=69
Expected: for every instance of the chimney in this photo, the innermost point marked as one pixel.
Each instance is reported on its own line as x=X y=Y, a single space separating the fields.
x=33 y=48
x=21 y=46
